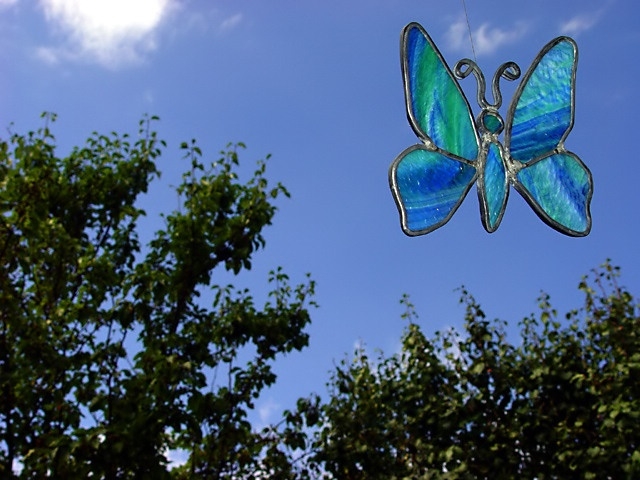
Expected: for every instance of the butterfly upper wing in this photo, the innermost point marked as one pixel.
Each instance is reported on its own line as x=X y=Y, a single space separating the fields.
x=556 y=183
x=430 y=181
x=541 y=114
x=437 y=109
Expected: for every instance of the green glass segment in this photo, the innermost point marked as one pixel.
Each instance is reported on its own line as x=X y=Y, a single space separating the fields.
x=543 y=113
x=561 y=187
x=436 y=104
x=495 y=187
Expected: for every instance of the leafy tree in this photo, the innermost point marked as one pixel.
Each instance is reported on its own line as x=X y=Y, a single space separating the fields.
x=563 y=402
x=113 y=354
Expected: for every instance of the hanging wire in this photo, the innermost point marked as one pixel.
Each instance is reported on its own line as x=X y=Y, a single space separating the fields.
x=466 y=14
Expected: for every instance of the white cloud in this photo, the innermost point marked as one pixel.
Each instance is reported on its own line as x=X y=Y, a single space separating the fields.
x=48 y=55
x=109 y=32
x=7 y=3
x=581 y=23
x=486 y=39
x=231 y=22
x=458 y=36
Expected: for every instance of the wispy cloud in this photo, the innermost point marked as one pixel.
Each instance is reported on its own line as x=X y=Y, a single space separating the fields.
x=111 y=33
x=581 y=22
x=7 y=3
x=231 y=22
x=486 y=39
x=489 y=39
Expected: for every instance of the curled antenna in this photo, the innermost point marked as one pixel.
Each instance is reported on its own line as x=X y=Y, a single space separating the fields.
x=509 y=71
x=463 y=69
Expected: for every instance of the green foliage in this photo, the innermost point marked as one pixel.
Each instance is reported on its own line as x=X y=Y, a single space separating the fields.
x=113 y=354
x=563 y=402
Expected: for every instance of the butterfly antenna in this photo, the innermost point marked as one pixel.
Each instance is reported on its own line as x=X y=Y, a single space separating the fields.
x=466 y=15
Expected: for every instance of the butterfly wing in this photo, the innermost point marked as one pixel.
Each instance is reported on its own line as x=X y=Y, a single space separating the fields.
x=559 y=188
x=428 y=187
x=437 y=109
x=430 y=181
x=556 y=183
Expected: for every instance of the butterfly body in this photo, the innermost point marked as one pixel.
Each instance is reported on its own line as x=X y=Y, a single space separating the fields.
x=430 y=180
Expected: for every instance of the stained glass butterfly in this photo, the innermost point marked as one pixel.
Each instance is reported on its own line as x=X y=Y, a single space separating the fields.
x=430 y=180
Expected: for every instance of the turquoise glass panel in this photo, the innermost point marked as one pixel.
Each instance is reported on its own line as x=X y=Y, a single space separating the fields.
x=495 y=186
x=434 y=98
x=429 y=187
x=543 y=112
x=491 y=123
x=560 y=186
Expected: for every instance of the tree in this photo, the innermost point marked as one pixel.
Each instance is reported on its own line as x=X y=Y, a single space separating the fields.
x=563 y=402
x=113 y=354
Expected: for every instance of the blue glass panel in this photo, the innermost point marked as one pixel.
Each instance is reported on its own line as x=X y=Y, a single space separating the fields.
x=543 y=113
x=495 y=187
x=559 y=188
x=429 y=187
x=435 y=102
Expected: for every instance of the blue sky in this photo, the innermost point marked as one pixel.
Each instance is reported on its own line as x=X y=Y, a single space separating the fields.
x=318 y=85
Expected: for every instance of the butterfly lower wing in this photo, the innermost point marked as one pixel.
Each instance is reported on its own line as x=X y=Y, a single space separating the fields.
x=559 y=189
x=428 y=188
x=437 y=109
x=542 y=112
